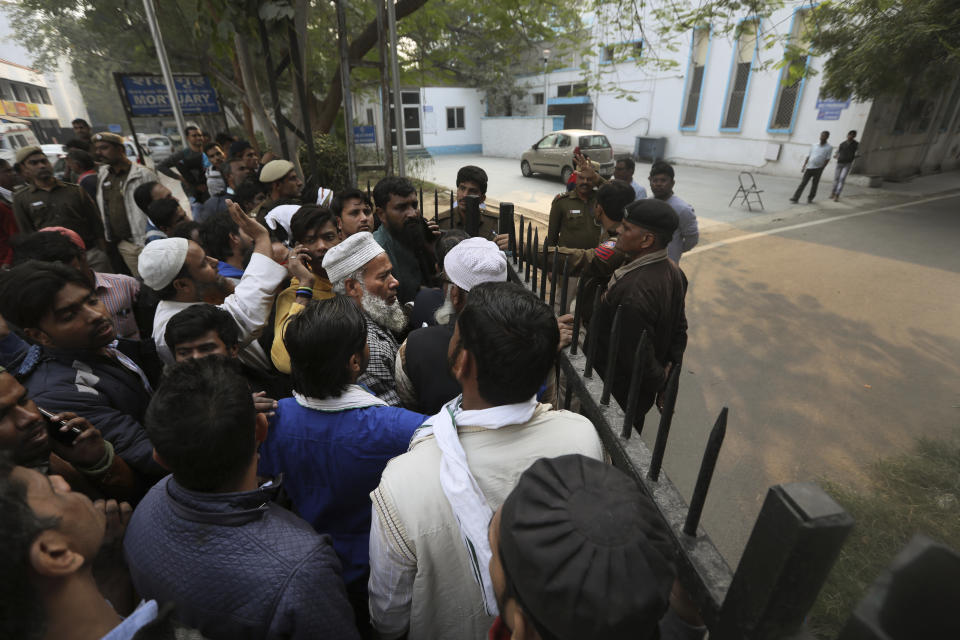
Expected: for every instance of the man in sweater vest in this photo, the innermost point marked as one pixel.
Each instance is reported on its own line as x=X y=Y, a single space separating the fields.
x=428 y=539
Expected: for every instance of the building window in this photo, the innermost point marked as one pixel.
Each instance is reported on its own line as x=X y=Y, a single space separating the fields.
x=571 y=90
x=607 y=54
x=788 y=93
x=455 y=118
x=698 y=63
x=537 y=97
x=739 y=80
x=19 y=92
x=637 y=49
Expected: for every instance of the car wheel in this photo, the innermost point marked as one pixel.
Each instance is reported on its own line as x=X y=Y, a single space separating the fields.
x=565 y=174
x=525 y=169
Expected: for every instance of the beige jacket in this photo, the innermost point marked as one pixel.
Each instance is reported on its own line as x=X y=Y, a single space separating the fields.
x=418 y=523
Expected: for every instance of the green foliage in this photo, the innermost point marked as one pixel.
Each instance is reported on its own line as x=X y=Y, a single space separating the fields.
x=917 y=492
x=876 y=48
x=332 y=170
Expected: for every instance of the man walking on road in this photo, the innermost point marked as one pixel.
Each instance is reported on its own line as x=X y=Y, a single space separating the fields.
x=624 y=171
x=687 y=234
x=846 y=152
x=813 y=166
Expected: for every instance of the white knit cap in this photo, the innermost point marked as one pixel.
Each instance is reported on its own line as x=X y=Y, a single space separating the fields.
x=473 y=261
x=161 y=261
x=280 y=216
x=350 y=255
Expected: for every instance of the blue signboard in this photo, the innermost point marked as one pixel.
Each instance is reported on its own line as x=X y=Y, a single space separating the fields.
x=366 y=134
x=830 y=109
x=147 y=95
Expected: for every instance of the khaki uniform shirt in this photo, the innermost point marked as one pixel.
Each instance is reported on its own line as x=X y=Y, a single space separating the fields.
x=572 y=223
x=65 y=205
x=116 y=209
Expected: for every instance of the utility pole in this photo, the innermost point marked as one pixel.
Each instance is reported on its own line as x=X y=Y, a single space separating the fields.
x=347 y=99
x=397 y=103
x=384 y=89
x=165 y=68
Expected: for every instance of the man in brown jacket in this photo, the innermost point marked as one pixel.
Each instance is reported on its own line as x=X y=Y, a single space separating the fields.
x=651 y=289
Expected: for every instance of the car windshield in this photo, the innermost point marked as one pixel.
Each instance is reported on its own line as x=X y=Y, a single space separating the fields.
x=594 y=142
x=157 y=142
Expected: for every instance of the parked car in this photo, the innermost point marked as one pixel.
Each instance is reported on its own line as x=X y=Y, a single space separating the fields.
x=161 y=147
x=553 y=154
x=131 y=151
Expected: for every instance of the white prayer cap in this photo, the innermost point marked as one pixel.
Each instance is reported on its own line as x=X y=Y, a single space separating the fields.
x=473 y=261
x=280 y=216
x=161 y=261
x=350 y=255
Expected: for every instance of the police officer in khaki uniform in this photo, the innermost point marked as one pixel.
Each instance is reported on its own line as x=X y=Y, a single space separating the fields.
x=572 y=223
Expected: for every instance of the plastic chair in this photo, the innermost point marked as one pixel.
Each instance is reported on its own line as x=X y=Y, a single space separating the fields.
x=746 y=191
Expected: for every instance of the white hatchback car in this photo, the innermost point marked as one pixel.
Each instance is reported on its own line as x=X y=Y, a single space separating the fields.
x=553 y=154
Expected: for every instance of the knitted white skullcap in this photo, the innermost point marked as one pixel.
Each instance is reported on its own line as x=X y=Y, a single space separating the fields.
x=161 y=261
x=473 y=261
x=350 y=255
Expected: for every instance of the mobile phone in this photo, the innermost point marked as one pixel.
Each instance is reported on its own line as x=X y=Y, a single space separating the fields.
x=53 y=428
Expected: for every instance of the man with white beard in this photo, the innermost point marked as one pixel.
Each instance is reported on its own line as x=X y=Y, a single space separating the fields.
x=360 y=268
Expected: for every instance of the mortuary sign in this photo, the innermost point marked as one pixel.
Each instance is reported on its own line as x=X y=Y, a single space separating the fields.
x=146 y=94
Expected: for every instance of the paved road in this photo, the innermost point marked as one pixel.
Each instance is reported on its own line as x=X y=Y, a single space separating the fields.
x=832 y=343
x=830 y=331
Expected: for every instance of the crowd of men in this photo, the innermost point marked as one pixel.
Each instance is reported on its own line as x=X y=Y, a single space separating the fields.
x=289 y=415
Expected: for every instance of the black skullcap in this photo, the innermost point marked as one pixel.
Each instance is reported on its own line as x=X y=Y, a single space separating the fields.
x=652 y=214
x=586 y=551
x=238 y=147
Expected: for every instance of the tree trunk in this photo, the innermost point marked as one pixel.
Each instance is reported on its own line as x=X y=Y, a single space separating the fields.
x=360 y=46
x=247 y=116
x=252 y=91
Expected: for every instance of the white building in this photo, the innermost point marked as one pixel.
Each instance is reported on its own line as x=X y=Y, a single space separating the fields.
x=438 y=120
x=24 y=96
x=722 y=109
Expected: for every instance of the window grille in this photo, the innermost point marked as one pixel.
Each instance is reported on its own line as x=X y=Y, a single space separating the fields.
x=698 y=64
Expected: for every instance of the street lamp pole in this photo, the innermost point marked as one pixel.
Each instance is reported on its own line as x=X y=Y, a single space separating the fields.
x=546 y=59
x=165 y=68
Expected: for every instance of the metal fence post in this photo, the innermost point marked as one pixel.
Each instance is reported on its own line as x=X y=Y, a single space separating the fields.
x=794 y=543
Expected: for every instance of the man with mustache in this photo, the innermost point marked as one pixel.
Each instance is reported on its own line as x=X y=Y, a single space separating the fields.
x=313 y=232
x=48 y=202
x=361 y=269
x=353 y=211
x=77 y=364
x=85 y=460
x=403 y=235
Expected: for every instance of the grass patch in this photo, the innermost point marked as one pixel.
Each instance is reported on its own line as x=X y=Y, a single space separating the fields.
x=916 y=492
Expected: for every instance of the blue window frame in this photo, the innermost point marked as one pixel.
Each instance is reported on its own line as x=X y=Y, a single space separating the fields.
x=738 y=83
x=786 y=101
x=696 y=70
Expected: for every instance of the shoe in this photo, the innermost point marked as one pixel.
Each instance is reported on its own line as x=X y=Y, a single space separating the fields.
x=809 y=200
x=793 y=200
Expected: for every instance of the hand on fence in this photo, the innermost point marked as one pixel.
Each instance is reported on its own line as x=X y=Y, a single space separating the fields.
x=565 y=324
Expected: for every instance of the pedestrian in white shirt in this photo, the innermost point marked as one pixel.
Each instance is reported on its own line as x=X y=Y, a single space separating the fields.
x=813 y=166
x=182 y=274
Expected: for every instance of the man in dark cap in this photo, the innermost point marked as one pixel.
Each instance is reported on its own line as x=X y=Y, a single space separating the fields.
x=651 y=289
x=587 y=525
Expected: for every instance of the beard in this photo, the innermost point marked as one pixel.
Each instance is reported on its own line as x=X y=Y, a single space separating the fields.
x=446 y=311
x=388 y=316
x=411 y=234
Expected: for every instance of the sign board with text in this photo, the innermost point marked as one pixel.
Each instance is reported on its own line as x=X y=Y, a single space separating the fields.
x=146 y=94
x=830 y=109
x=366 y=134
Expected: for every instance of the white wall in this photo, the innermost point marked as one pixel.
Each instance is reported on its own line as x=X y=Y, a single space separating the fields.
x=509 y=137
x=434 y=102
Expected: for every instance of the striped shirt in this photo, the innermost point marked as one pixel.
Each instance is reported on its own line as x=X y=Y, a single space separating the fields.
x=118 y=292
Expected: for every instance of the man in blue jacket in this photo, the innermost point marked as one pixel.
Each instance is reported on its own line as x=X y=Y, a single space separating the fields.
x=333 y=439
x=210 y=539
x=76 y=363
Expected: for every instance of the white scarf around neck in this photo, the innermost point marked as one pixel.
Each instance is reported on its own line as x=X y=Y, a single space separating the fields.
x=467 y=501
x=355 y=397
